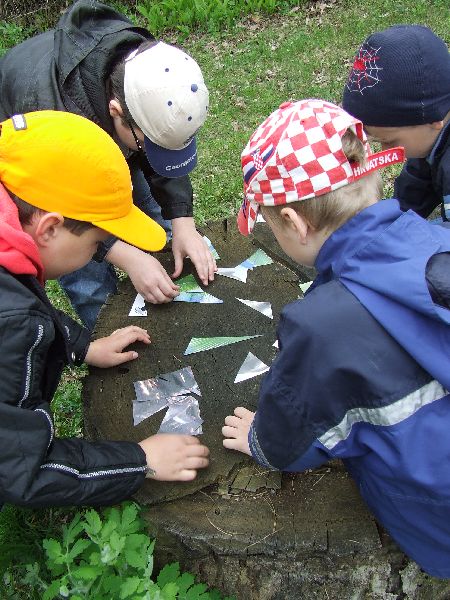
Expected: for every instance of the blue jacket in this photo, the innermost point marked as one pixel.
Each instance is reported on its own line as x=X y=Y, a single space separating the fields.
x=362 y=375
x=424 y=183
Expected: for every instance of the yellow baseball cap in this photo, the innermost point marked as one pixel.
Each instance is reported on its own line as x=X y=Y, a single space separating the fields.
x=64 y=163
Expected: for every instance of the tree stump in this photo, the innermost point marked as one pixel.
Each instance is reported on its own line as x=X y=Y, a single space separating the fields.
x=256 y=534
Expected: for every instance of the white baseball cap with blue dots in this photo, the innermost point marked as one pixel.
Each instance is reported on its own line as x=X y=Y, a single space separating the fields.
x=168 y=99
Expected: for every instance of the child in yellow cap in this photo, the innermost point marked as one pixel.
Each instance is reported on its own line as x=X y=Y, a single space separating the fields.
x=64 y=187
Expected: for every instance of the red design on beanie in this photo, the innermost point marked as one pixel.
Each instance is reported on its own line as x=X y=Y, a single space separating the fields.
x=18 y=252
x=365 y=72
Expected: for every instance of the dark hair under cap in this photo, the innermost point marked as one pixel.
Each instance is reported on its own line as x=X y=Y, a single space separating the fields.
x=400 y=76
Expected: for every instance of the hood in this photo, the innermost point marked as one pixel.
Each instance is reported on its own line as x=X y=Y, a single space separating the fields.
x=18 y=252
x=88 y=39
x=381 y=256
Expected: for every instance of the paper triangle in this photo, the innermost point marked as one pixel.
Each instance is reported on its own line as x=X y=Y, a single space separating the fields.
x=251 y=367
x=264 y=308
x=239 y=273
x=305 y=286
x=257 y=259
x=208 y=343
x=138 y=309
x=189 y=284
x=211 y=248
x=198 y=298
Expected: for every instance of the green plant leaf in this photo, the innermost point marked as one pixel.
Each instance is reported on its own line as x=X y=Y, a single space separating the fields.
x=112 y=585
x=71 y=531
x=86 y=572
x=111 y=523
x=117 y=542
x=130 y=519
x=79 y=547
x=54 y=551
x=137 y=540
x=168 y=573
x=129 y=586
x=93 y=523
x=135 y=559
x=196 y=591
x=184 y=582
x=169 y=591
x=52 y=591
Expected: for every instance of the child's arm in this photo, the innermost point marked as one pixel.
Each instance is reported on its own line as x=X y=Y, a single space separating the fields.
x=236 y=430
x=108 y=351
x=39 y=469
x=146 y=273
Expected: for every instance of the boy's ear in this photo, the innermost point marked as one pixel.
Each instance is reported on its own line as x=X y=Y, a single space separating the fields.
x=295 y=222
x=115 y=110
x=47 y=228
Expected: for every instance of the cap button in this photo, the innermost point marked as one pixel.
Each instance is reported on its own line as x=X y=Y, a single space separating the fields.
x=194 y=87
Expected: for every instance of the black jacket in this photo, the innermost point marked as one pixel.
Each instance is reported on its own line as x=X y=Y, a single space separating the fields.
x=37 y=469
x=424 y=183
x=67 y=69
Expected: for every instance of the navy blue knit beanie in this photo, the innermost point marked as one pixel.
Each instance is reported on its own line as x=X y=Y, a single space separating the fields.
x=400 y=76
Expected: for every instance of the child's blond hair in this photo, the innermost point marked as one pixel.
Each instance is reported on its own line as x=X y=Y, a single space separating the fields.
x=330 y=211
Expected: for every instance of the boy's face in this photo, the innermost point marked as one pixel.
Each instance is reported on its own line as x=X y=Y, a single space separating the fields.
x=417 y=140
x=63 y=252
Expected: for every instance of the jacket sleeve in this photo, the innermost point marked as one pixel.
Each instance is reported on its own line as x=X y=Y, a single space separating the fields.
x=292 y=409
x=335 y=364
x=79 y=337
x=414 y=189
x=37 y=469
x=174 y=195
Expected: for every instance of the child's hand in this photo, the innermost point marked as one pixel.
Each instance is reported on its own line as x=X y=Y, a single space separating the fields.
x=108 y=351
x=151 y=280
x=174 y=457
x=187 y=241
x=236 y=430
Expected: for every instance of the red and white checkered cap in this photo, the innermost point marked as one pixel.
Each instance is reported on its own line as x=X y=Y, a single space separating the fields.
x=295 y=154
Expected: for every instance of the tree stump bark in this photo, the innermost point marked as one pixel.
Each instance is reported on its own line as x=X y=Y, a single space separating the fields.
x=258 y=535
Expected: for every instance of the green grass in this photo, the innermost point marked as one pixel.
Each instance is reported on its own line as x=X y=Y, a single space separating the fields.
x=250 y=69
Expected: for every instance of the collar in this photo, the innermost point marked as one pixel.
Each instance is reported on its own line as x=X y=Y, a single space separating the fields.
x=351 y=237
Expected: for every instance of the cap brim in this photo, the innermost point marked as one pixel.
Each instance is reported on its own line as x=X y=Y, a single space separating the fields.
x=137 y=229
x=245 y=222
x=171 y=163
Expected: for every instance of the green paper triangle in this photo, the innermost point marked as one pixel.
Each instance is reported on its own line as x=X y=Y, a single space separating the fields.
x=208 y=343
x=188 y=284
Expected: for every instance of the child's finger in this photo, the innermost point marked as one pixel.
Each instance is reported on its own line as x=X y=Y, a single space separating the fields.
x=242 y=412
x=232 y=421
x=129 y=337
x=230 y=432
x=122 y=357
x=187 y=475
x=195 y=462
x=199 y=450
x=230 y=443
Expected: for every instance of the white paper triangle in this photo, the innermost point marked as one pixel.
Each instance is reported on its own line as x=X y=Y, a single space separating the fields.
x=264 y=308
x=305 y=286
x=138 y=309
x=239 y=273
x=251 y=367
